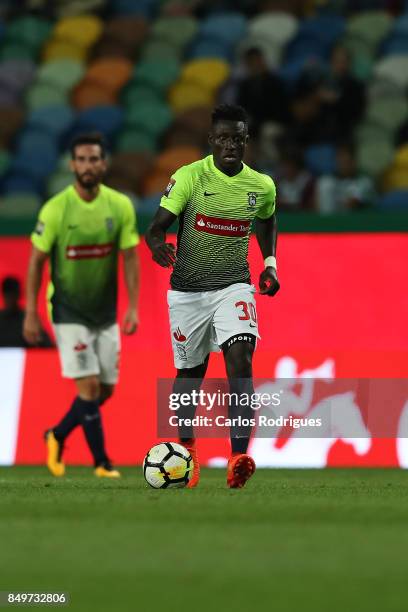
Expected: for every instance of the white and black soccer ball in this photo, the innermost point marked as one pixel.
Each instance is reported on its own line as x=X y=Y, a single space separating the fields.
x=168 y=465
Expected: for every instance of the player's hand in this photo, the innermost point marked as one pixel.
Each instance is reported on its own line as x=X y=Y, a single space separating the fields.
x=268 y=282
x=130 y=322
x=32 y=331
x=165 y=255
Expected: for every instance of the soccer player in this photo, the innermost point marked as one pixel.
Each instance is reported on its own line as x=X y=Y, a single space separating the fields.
x=82 y=230
x=211 y=301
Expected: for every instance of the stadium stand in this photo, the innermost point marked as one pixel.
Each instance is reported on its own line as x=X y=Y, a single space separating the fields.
x=147 y=73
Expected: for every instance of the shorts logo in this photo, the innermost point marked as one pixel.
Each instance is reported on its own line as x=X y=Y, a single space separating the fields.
x=179 y=336
x=88 y=251
x=81 y=356
x=169 y=187
x=80 y=346
x=240 y=338
x=222 y=227
x=252 y=199
x=109 y=224
x=182 y=353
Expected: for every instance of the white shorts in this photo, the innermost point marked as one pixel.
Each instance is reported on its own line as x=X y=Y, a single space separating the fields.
x=87 y=352
x=201 y=322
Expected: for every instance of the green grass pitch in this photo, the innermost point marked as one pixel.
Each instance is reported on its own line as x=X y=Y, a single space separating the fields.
x=331 y=540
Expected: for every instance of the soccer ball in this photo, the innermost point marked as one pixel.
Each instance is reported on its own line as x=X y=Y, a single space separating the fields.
x=168 y=465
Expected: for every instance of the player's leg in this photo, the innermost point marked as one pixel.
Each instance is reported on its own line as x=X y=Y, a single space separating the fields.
x=236 y=326
x=77 y=357
x=107 y=349
x=89 y=391
x=238 y=363
x=191 y=328
x=187 y=381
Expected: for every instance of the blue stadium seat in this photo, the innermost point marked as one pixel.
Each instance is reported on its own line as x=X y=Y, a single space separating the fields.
x=228 y=27
x=315 y=38
x=54 y=119
x=105 y=119
x=396 y=45
x=145 y=8
x=401 y=25
x=394 y=200
x=306 y=46
x=36 y=153
x=210 y=47
x=321 y=159
x=290 y=71
x=328 y=29
x=18 y=182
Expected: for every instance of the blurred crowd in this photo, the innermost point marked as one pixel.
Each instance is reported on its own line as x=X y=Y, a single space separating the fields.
x=322 y=106
x=324 y=83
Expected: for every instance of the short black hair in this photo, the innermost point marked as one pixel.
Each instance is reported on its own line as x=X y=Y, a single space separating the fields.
x=93 y=138
x=11 y=284
x=229 y=112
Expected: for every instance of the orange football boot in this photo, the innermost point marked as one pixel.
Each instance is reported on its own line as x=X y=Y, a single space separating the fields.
x=191 y=447
x=240 y=469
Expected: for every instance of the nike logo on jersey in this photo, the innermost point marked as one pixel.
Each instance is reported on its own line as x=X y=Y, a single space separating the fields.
x=209 y=194
x=252 y=325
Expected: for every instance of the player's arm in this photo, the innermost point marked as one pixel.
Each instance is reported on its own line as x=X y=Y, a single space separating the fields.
x=128 y=240
x=173 y=202
x=163 y=253
x=131 y=270
x=267 y=236
x=43 y=239
x=32 y=328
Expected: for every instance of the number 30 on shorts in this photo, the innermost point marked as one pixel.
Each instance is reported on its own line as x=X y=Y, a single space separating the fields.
x=246 y=311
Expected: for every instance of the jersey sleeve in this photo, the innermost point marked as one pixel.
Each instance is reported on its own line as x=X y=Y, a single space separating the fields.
x=46 y=230
x=178 y=191
x=129 y=236
x=268 y=207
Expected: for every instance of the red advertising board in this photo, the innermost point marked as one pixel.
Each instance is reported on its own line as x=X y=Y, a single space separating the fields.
x=341 y=313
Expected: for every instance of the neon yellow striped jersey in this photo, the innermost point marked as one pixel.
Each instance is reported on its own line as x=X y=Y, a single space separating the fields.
x=83 y=240
x=215 y=213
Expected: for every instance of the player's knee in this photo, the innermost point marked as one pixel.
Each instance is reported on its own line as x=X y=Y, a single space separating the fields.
x=89 y=388
x=238 y=360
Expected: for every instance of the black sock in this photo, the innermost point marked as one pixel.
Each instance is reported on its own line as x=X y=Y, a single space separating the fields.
x=186 y=385
x=68 y=423
x=92 y=426
x=241 y=390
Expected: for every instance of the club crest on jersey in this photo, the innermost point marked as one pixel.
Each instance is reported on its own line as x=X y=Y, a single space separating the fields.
x=169 y=187
x=109 y=224
x=252 y=199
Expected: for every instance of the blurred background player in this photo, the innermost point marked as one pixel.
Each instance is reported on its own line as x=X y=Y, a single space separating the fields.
x=211 y=301
x=348 y=189
x=12 y=317
x=82 y=230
